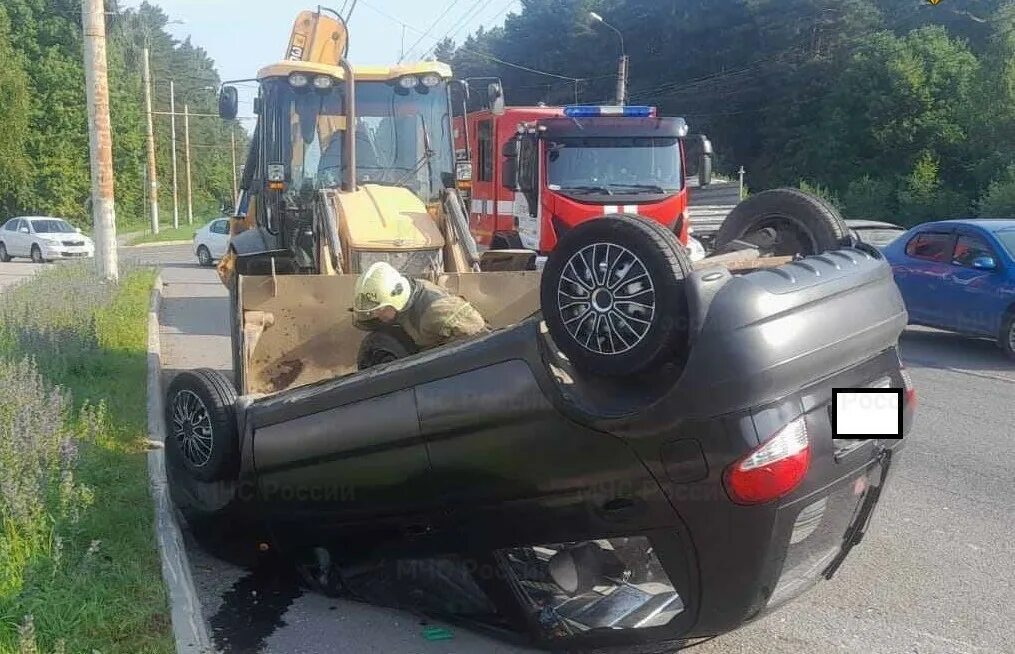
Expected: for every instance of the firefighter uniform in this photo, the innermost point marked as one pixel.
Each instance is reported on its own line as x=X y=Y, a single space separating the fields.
x=428 y=314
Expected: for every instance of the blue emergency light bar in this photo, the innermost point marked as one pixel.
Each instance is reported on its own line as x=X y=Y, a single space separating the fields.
x=590 y=111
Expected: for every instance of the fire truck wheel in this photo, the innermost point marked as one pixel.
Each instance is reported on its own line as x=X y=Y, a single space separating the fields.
x=783 y=222
x=612 y=295
x=383 y=346
x=201 y=423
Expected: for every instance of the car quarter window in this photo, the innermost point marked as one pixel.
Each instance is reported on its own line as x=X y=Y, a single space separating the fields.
x=11 y=225
x=968 y=248
x=932 y=246
x=220 y=227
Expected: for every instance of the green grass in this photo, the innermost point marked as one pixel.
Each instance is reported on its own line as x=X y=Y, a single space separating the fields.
x=89 y=575
x=182 y=233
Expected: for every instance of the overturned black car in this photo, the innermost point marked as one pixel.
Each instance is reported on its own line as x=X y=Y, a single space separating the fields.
x=642 y=452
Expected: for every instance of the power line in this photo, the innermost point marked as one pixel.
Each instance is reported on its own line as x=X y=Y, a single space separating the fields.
x=473 y=52
x=447 y=9
x=462 y=21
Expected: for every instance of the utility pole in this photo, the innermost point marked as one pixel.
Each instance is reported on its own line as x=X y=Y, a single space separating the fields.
x=152 y=180
x=186 y=151
x=172 y=126
x=100 y=140
x=236 y=190
x=622 y=65
x=622 y=80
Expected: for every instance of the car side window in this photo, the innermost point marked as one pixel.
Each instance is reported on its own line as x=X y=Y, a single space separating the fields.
x=970 y=248
x=931 y=246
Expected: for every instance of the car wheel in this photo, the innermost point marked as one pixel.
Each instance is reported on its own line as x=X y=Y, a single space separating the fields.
x=201 y=423
x=1006 y=339
x=37 y=255
x=612 y=295
x=204 y=256
x=4 y=257
x=384 y=346
x=783 y=222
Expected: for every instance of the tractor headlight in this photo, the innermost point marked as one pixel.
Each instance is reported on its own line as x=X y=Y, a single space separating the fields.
x=323 y=82
x=431 y=80
x=408 y=82
x=298 y=80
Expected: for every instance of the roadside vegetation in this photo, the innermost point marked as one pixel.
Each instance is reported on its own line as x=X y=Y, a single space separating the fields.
x=895 y=109
x=79 y=569
x=182 y=233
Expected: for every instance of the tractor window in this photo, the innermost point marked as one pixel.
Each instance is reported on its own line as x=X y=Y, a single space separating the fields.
x=485 y=148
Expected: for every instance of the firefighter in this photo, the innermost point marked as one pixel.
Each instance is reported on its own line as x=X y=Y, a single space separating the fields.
x=429 y=314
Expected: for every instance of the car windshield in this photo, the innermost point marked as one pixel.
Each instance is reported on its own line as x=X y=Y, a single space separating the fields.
x=1007 y=238
x=402 y=137
x=611 y=165
x=52 y=226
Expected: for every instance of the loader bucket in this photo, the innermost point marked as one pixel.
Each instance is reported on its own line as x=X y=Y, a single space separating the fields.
x=298 y=329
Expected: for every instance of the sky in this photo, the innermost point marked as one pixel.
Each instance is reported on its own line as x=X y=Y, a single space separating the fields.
x=243 y=35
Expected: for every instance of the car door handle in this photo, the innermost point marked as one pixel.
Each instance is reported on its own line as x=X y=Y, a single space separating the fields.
x=621 y=507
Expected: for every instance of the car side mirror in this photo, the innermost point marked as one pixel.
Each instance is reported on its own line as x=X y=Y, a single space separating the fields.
x=23 y=230
x=77 y=229
x=229 y=102
x=984 y=263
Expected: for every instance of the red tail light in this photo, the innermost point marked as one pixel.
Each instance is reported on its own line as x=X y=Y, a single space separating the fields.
x=775 y=468
x=910 y=390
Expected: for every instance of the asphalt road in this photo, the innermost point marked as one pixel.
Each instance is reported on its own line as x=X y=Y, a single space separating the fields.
x=935 y=574
x=13 y=272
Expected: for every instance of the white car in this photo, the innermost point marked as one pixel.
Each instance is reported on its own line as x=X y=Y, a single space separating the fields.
x=43 y=239
x=211 y=241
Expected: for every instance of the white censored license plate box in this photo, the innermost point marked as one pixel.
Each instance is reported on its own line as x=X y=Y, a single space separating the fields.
x=867 y=412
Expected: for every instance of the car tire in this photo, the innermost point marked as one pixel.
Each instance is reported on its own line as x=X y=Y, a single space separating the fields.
x=384 y=346
x=506 y=241
x=201 y=424
x=801 y=224
x=1006 y=339
x=37 y=255
x=204 y=256
x=4 y=256
x=632 y=318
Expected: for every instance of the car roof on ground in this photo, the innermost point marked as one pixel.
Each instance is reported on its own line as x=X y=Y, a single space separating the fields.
x=862 y=223
x=989 y=224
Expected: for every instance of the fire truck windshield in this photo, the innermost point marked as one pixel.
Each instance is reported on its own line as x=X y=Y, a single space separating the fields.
x=614 y=165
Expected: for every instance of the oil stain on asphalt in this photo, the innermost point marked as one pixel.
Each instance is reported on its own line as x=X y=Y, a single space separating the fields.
x=252 y=609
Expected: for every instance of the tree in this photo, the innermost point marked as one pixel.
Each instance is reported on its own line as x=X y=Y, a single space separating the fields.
x=14 y=165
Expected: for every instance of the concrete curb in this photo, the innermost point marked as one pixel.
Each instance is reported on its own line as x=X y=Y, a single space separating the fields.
x=157 y=244
x=189 y=629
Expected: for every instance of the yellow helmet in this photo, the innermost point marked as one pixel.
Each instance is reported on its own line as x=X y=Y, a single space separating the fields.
x=381 y=286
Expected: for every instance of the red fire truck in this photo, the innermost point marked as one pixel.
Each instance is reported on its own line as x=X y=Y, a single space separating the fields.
x=539 y=171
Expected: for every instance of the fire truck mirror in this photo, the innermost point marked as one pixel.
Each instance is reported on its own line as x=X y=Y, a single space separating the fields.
x=509 y=174
x=496 y=94
x=705 y=169
x=511 y=148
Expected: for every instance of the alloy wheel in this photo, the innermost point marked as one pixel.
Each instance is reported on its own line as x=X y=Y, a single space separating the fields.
x=192 y=428
x=606 y=298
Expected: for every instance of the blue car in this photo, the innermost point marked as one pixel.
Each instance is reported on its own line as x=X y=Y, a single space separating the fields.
x=959 y=275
